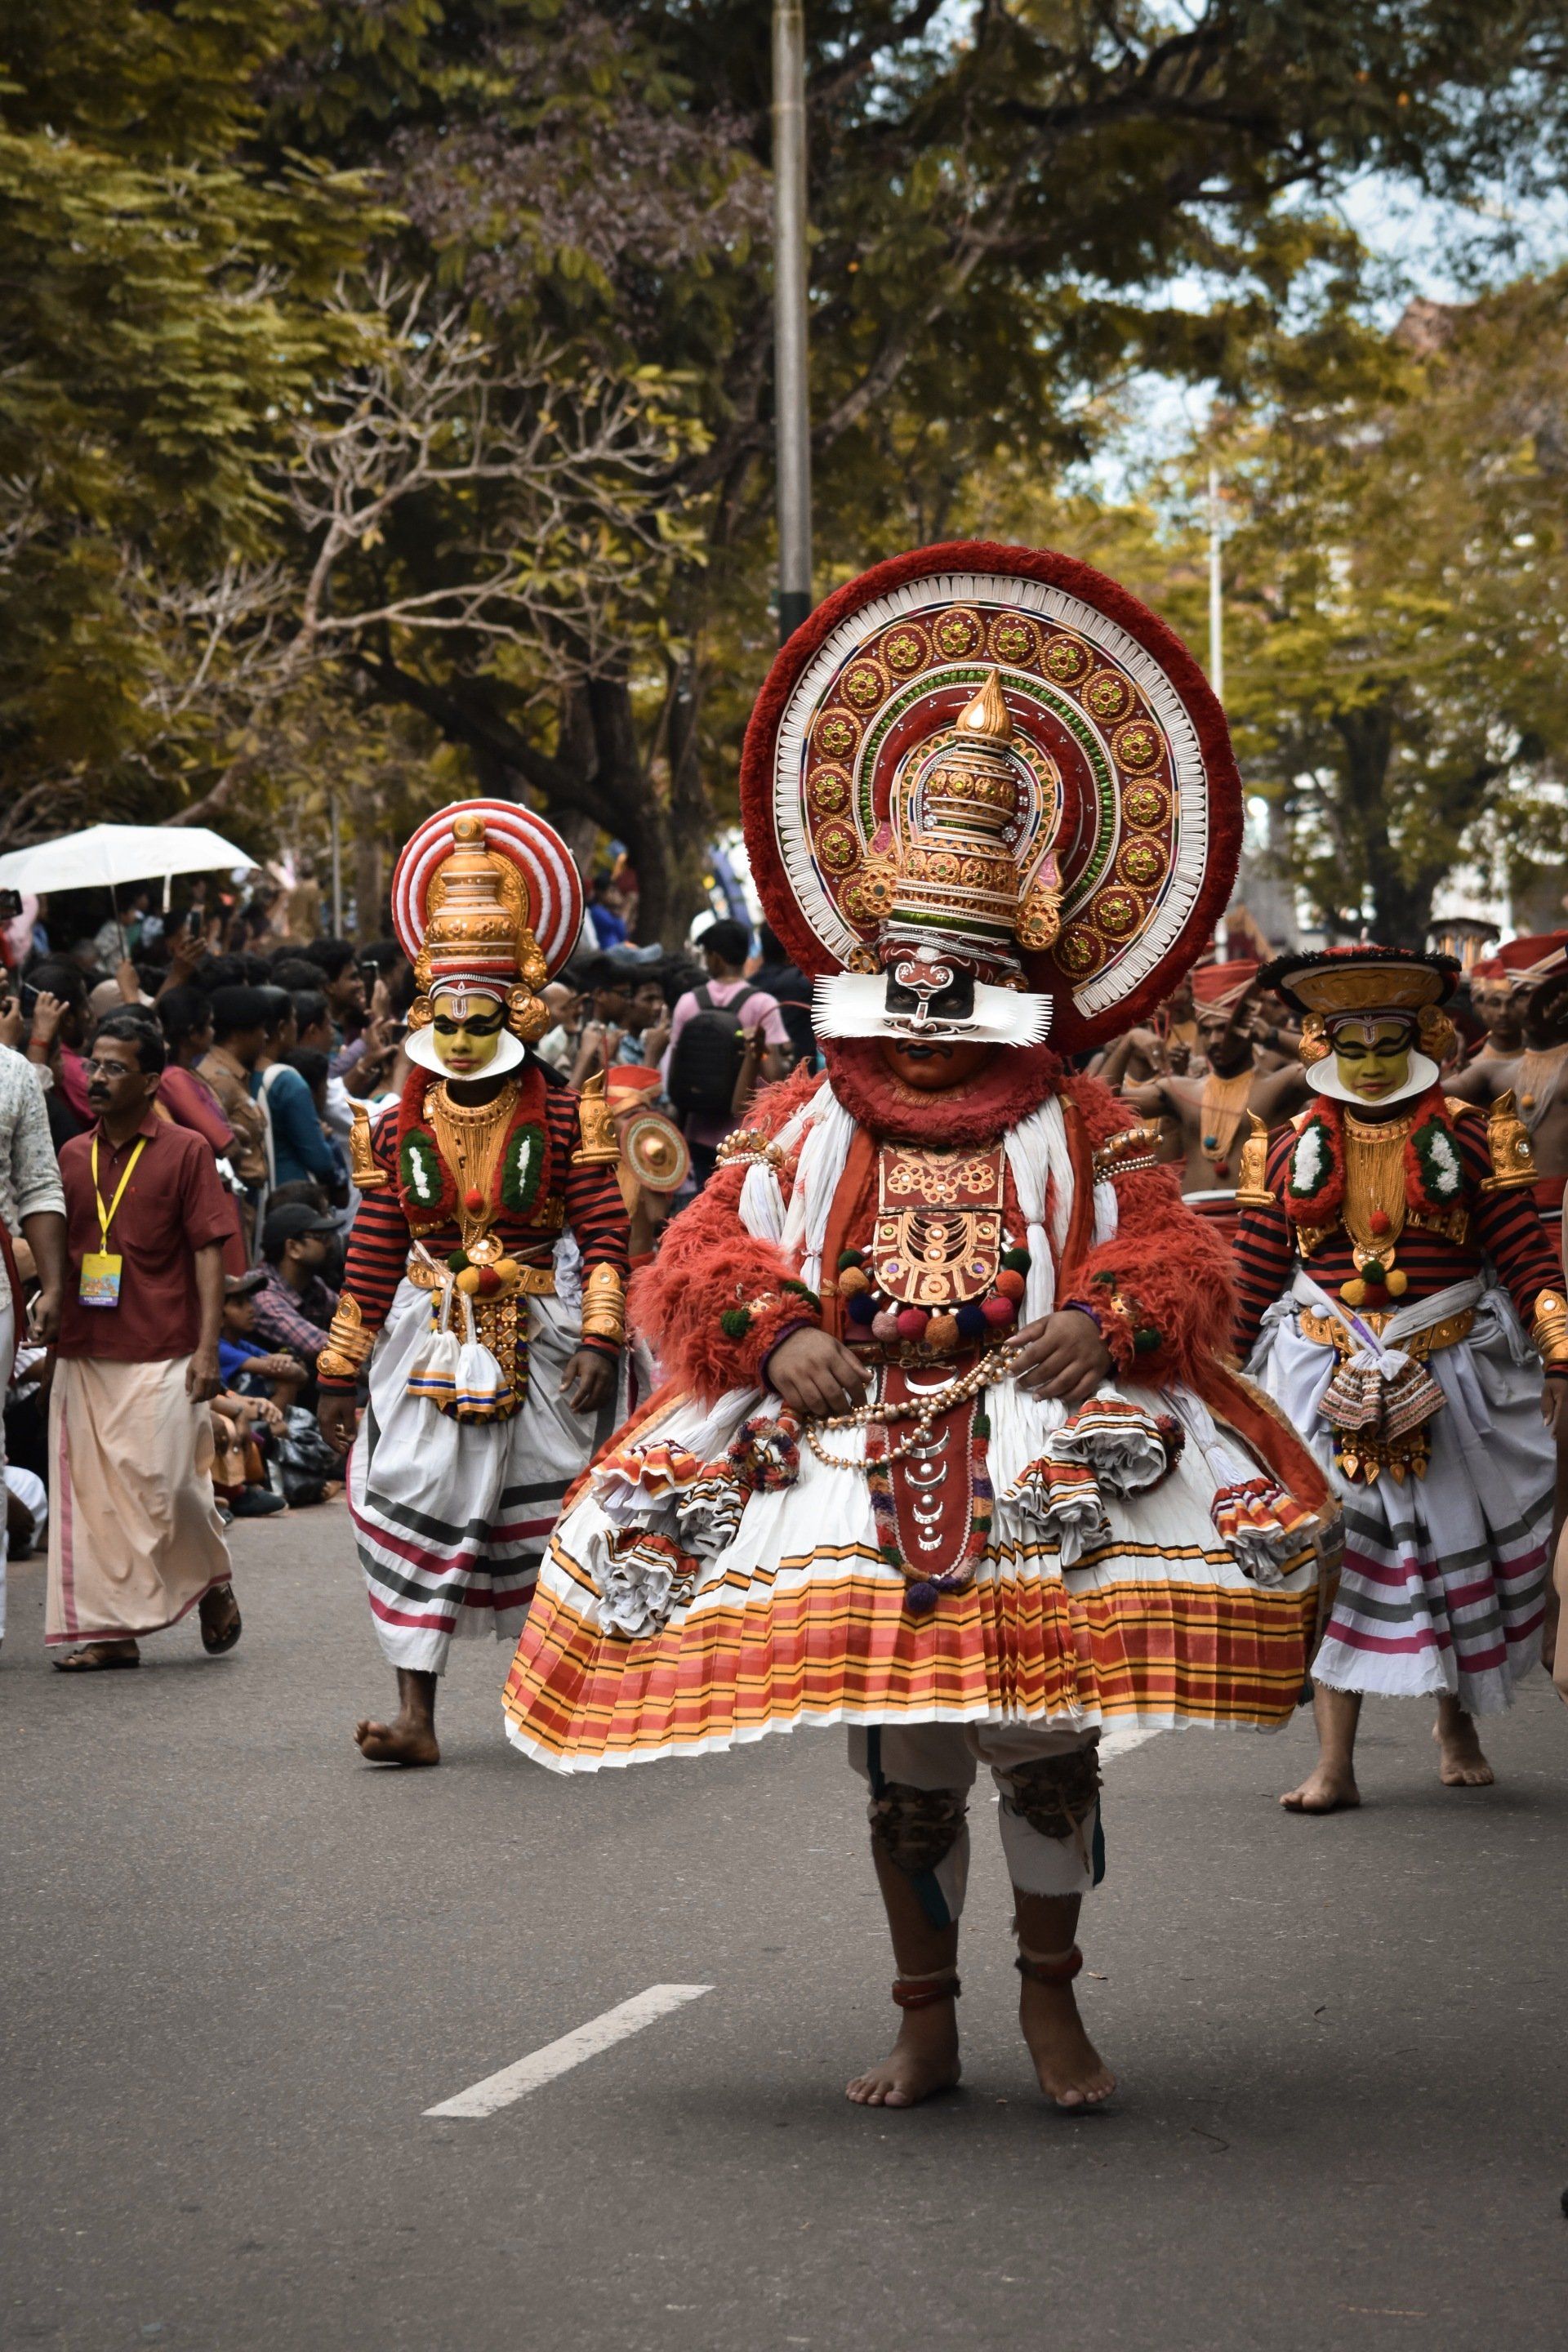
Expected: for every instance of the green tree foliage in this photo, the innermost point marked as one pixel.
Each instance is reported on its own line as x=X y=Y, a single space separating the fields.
x=161 y=315
x=1397 y=664
x=1003 y=200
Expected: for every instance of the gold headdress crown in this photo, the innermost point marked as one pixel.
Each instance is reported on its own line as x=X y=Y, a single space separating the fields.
x=952 y=879
x=486 y=901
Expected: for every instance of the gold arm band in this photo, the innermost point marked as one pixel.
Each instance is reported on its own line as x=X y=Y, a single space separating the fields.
x=348 y=1341
x=1508 y=1140
x=604 y=1305
x=601 y=1146
x=1549 y=1329
x=1252 y=1186
x=367 y=1176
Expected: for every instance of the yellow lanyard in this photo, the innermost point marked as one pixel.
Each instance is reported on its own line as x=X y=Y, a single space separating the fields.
x=105 y=1216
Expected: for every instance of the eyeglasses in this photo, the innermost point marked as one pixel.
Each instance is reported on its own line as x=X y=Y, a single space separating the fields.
x=91 y=1064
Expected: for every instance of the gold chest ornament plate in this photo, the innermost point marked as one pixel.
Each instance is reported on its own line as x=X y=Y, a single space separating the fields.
x=937 y=1236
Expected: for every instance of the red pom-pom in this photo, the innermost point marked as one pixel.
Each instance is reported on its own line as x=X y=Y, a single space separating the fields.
x=473 y=1199
x=1010 y=1285
x=999 y=1312
x=1379 y=1221
x=913 y=1325
x=490 y=1282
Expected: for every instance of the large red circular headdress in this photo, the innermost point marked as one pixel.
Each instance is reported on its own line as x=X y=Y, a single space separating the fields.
x=552 y=889
x=1125 y=774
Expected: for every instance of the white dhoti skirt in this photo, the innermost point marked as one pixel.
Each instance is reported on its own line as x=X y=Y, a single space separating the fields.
x=134 y=1536
x=1443 y=1589
x=451 y=1517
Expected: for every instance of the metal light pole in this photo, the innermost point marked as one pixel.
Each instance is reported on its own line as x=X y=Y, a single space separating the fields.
x=1216 y=631
x=791 y=394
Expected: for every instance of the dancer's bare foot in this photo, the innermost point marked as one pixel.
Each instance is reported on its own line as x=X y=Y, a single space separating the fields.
x=1071 y=2068
x=410 y=1740
x=1327 y=1788
x=921 y=2061
x=1461 y=1763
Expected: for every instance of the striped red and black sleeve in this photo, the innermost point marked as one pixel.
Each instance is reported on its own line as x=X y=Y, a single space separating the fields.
x=596 y=1211
x=1506 y=1225
x=379 y=1244
x=1263 y=1250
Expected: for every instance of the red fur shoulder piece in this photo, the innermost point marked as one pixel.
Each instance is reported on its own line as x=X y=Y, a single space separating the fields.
x=1019 y=1079
x=774 y=1105
x=1104 y=1114
x=1172 y=1268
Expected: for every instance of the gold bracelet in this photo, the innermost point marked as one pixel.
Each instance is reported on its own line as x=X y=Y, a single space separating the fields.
x=1550 y=1328
x=604 y=1305
x=331 y=1366
x=346 y=1335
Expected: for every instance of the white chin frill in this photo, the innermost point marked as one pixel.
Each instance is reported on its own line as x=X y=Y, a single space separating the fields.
x=420 y=1047
x=854 y=1004
x=1324 y=1078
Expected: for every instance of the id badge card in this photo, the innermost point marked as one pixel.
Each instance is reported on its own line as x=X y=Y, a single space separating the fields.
x=99 y=1283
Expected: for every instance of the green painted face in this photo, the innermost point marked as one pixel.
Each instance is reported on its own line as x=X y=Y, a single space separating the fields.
x=466 y=1030
x=1372 y=1058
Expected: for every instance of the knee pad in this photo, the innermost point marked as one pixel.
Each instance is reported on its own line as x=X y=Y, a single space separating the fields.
x=1056 y=1794
x=917 y=1828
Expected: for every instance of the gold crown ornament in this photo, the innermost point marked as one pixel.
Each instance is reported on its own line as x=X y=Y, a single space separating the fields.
x=986 y=792
x=487 y=903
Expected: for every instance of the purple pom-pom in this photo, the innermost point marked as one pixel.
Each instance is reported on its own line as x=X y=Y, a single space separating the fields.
x=922 y=1599
x=861 y=1307
x=971 y=1321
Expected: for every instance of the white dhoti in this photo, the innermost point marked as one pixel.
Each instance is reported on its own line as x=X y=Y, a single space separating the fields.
x=135 y=1538
x=452 y=1518
x=1444 y=1585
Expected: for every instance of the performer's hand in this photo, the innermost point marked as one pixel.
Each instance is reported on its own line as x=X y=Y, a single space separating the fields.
x=1551 y=1407
x=1062 y=1356
x=588 y=1381
x=817 y=1376
x=336 y=1419
x=202 y=1381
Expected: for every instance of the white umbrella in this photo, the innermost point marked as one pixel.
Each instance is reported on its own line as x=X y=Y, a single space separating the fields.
x=105 y=856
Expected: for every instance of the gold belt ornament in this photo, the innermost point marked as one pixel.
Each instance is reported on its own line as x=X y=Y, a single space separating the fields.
x=1328 y=1332
x=533 y=1281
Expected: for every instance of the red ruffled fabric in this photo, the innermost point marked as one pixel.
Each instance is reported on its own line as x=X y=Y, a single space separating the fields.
x=707 y=1262
x=1169 y=1263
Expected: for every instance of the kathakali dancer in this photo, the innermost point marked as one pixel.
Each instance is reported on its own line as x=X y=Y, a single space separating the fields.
x=1390 y=1260
x=485 y=1285
x=946 y=1452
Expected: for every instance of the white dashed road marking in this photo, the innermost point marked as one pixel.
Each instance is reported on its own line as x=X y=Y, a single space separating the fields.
x=539 y=2066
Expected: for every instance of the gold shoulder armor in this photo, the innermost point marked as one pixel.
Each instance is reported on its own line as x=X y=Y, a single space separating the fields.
x=1252 y=1178
x=600 y=1148
x=1508 y=1139
x=367 y=1175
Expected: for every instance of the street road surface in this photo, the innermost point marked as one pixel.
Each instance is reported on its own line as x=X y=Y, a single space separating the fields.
x=242 y=1968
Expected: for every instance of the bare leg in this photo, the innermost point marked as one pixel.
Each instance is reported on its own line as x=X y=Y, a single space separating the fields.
x=925 y=2058
x=412 y=1739
x=1070 y=2069
x=1329 y=1787
x=1461 y=1763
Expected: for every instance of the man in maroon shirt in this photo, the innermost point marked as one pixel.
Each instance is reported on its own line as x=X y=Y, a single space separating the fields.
x=135 y=1540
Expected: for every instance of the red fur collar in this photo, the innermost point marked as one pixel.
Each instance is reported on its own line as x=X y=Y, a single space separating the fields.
x=1016 y=1082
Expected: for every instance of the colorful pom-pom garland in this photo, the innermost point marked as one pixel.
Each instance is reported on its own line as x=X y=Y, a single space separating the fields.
x=872 y=1315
